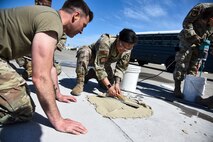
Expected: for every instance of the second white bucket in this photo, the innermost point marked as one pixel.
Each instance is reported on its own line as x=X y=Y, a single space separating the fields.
x=193 y=87
x=130 y=78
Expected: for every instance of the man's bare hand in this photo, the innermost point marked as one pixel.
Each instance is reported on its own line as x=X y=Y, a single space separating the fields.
x=66 y=99
x=70 y=126
x=112 y=91
x=117 y=88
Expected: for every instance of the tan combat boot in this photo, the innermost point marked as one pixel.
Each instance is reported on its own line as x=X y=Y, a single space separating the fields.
x=177 y=90
x=76 y=91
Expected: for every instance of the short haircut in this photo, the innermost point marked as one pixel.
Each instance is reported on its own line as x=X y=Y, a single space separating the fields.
x=80 y=4
x=128 y=35
x=43 y=2
x=207 y=13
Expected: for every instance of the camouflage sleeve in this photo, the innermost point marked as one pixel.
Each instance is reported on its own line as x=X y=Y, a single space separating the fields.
x=61 y=43
x=121 y=65
x=191 y=17
x=102 y=54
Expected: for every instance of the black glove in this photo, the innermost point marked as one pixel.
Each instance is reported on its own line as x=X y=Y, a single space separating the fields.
x=197 y=40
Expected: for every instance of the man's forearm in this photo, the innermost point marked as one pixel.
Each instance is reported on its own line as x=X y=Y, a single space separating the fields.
x=106 y=82
x=55 y=81
x=46 y=96
x=117 y=80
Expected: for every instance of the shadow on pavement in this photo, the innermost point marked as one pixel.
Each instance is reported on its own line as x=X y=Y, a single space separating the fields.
x=156 y=91
x=41 y=120
x=67 y=82
x=24 y=132
x=167 y=95
x=150 y=76
x=71 y=82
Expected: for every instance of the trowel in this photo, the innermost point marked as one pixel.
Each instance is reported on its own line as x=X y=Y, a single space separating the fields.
x=120 y=97
x=127 y=101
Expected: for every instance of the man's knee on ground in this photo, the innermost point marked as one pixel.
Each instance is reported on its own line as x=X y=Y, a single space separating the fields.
x=15 y=105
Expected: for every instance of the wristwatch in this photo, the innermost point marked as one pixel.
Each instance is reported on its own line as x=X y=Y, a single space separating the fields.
x=109 y=85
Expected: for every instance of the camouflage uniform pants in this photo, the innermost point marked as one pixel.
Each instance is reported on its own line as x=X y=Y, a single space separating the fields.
x=16 y=104
x=27 y=64
x=86 y=58
x=186 y=62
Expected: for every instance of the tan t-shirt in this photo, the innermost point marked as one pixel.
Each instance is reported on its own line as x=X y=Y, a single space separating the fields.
x=19 y=25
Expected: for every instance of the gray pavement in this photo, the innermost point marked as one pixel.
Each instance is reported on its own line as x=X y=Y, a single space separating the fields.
x=173 y=119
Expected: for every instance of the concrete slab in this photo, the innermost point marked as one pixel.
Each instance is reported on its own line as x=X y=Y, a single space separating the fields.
x=173 y=120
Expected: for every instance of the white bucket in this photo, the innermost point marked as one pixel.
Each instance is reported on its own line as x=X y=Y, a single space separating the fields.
x=130 y=78
x=193 y=87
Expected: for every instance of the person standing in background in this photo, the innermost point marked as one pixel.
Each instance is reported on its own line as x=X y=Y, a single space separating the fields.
x=197 y=26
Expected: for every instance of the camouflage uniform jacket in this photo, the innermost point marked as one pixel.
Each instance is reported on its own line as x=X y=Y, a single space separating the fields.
x=194 y=25
x=61 y=43
x=105 y=53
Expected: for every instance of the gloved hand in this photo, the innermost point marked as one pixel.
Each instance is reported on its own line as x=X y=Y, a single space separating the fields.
x=196 y=40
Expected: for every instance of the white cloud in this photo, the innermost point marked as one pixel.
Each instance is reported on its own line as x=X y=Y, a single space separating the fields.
x=155 y=10
x=135 y=14
x=144 y=10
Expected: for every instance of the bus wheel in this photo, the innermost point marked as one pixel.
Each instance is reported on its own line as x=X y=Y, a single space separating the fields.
x=170 y=64
x=141 y=63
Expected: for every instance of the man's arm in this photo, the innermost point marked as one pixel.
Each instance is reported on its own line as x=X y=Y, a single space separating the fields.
x=43 y=47
x=188 y=27
x=60 y=97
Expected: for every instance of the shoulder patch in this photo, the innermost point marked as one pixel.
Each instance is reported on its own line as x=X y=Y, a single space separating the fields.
x=103 y=52
x=126 y=57
x=195 y=12
x=103 y=60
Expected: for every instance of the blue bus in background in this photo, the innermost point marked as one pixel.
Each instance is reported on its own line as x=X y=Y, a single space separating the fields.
x=160 y=47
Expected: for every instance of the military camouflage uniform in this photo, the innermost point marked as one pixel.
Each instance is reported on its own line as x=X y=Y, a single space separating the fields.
x=25 y=61
x=18 y=106
x=187 y=58
x=101 y=55
x=15 y=102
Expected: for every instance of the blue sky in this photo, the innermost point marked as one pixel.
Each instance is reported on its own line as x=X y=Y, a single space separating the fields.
x=111 y=16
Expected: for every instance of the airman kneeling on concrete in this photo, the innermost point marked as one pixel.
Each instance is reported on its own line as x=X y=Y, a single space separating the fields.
x=100 y=55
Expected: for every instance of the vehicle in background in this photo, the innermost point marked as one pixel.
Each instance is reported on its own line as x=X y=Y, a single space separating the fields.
x=160 y=47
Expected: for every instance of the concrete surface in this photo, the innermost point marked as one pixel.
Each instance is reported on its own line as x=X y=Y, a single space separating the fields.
x=173 y=120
